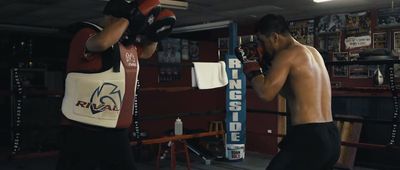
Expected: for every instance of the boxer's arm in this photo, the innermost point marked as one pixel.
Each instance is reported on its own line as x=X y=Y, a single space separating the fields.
x=108 y=36
x=268 y=87
x=148 y=49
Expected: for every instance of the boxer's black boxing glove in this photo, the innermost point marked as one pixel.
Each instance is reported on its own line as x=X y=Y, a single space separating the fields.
x=162 y=26
x=120 y=8
x=249 y=55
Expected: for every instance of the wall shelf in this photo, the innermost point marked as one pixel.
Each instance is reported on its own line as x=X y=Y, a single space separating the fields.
x=362 y=91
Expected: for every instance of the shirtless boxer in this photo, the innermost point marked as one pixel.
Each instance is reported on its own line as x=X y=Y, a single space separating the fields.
x=298 y=73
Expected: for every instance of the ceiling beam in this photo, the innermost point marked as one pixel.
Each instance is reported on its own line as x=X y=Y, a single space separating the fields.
x=202 y=27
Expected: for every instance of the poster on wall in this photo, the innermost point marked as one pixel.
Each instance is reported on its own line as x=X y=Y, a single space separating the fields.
x=170 y=51
x=245 y=39
x=303 y=31
x=331 y=23
x=379 y=40
x=389 y=17
x=358 y=23
x=357 y=42
x=357 y=71
x=169 y=56
x=354 y=55
x=340 y=71
x=396 y=50
x=333 y=43
x=194 y=51
x=396 y=42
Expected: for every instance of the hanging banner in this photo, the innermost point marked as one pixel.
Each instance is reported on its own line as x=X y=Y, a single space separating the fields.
x=357 y=42
x=235 y=110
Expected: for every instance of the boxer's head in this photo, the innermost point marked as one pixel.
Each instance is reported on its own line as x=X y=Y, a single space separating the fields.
x=272 y=32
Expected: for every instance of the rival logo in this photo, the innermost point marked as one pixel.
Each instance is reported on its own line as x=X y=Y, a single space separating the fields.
x=106 y=97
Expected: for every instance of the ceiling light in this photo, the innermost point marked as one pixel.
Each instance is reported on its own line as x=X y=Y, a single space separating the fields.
x=174 y=4
x=319 y=1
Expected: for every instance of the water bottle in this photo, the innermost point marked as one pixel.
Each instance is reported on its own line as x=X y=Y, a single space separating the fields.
x=178 y=127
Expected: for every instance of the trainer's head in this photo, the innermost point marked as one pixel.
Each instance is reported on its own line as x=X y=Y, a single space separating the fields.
x=272 y=32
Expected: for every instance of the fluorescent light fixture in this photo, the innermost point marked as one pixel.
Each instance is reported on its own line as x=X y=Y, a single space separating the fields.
x=319 y=1
x=174 y=4
x=202 y=27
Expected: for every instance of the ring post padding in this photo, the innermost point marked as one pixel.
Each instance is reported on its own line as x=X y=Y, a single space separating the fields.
x=235 y=102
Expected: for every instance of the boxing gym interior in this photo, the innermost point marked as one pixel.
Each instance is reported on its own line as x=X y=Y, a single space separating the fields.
x=179 y=121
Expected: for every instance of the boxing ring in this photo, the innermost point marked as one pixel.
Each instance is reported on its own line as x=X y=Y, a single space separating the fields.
x=392 y=143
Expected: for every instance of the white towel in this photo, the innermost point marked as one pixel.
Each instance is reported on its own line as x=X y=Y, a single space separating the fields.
x=209 y=75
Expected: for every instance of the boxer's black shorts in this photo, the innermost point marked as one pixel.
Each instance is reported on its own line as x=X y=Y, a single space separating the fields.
x=314 y=146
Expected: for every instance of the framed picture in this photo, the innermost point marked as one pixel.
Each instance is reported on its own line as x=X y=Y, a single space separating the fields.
x=340 y=71
x=340 y=56
x=387 y=17
x=357 y=23
x=379 y=40
x=354 y=55
x=358 y=71
x=333 y=42
x=170 y=51
x=246 y=39
x=396 y=42
x=194 y=51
